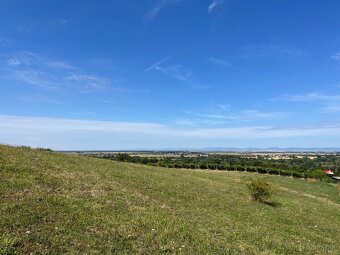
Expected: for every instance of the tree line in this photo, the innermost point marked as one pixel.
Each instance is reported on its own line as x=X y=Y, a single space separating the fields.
x=299 y=167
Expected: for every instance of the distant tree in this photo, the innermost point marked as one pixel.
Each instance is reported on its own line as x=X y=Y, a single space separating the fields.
x=44 y=149
x=124 y=157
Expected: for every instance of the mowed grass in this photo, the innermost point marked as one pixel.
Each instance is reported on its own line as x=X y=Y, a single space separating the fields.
x=52 y=203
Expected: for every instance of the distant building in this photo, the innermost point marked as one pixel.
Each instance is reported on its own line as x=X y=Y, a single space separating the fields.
x=328 y=172
x=337 y=178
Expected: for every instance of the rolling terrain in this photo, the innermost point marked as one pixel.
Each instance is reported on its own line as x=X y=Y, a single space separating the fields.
x=52 y=203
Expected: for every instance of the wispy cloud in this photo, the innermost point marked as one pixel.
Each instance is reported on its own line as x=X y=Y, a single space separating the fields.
x=89 y=82
x=175 y=71
x=4 y=41
x=331 y=108
x=314 y=96
x=336 y=56
x=184 y=122
x=67 y=133
x=157 y=65
x=61 y=65
x=254 y=114
x=326 y=103
x=32 y=77
x=225 y=115
x=34 y=98
x=63 y=21
x=23 y=58
x=159 y=6
x=48 y=73
x=224 y=107
x=214 y=4
x=272 y=50
x=34 y=69
x=30 y=59
x=218 y=61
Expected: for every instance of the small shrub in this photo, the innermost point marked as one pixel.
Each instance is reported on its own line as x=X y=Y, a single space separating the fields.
x=6 y=246
x=260 y=190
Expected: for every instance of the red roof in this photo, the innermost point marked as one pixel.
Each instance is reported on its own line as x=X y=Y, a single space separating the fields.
x=328 y=171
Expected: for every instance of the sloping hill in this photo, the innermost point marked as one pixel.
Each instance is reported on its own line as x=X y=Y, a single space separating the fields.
x=65 y=204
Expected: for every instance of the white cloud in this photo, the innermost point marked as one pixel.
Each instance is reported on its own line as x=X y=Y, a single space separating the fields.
x=217 y=61
x=327 y=103
x=46 y=72
x=214 y=4
x=86 y=134
x=62 y=21
x=89 y=82
x=245 y=115
x=174 y=71
x=33 y=98
x=61 y=65
x=55 y=124
x=314 y=96
x=254 y=114
x=31 y=59
x=272 y=50
x=160 y=5
x=336 y=56
x=224 y=107
x=23 y=58
x=4 y=41
x=13 y=62
x=331 y=108
x=32 y=77
x=213 y=116
x=156 y=66
x=183 y=122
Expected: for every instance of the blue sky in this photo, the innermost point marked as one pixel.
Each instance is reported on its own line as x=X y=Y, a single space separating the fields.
x=155 y=74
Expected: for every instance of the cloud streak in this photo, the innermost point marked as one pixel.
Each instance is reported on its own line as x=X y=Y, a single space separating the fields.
x=331 y=108
x=37 y=78
x=272 y=50
x=47 y=73
x=336 y=56
x=89 y=82
x=226 y=115
x=214 y=4
x=4 y=41
x=159 y=6
x=174 y=71
x=327 y=103
x=220 y=62
x=224 y=107
x=309 y=97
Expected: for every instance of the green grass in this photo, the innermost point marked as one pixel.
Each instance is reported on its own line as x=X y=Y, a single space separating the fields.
x=64 y=204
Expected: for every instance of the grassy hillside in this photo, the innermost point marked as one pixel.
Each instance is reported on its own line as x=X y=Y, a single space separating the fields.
x=63 y=204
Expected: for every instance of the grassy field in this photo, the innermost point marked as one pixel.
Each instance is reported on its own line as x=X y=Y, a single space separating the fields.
x=65 y=204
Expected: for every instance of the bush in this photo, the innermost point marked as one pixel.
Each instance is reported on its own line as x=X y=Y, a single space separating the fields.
x=6 y=246
x=260 y=190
